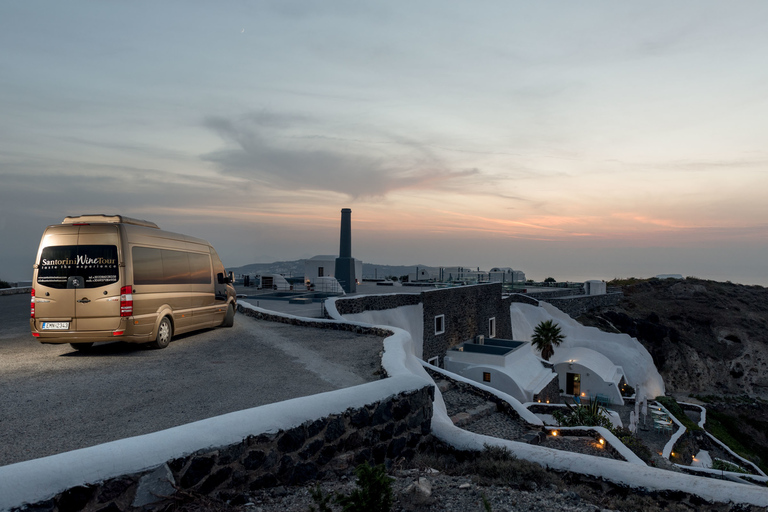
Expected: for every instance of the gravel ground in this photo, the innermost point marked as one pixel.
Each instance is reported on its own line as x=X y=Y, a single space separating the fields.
x=579 y=444
x=457 y=401
x=498 y=425
x=448 y=494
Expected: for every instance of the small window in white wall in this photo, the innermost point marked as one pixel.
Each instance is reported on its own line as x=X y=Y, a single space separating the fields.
x=434 y=361
x=439 y=324
x=492 y=327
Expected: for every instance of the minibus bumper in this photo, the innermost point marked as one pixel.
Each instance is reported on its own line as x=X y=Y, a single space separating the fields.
x=124 y=333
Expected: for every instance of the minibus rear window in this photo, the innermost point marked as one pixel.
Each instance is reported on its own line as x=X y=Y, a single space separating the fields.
x=60 y=266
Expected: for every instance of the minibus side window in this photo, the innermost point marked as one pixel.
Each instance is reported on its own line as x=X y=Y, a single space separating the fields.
x=166 y=266
x=175 y=267
x=199 y=268
x=147 y=266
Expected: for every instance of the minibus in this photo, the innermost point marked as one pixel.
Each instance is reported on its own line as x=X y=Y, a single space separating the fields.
x=110 y=277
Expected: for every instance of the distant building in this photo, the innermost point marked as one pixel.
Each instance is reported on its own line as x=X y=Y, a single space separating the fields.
x=274 y=282
x=594 y=287
x=506 y=275
x=424 y=274
x=462 y=274
x=325 y=266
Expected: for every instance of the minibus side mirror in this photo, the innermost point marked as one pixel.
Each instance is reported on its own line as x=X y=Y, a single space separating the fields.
x=222 y=279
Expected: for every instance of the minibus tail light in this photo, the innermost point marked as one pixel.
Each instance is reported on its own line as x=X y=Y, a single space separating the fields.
x=32 y=304
x=126 y=301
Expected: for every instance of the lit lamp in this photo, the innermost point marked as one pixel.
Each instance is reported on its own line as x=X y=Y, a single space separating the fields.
x=554 y=433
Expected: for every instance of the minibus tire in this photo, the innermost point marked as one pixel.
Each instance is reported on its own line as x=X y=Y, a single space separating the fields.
x=229 y=319
x=164 y=334
x=81 y=347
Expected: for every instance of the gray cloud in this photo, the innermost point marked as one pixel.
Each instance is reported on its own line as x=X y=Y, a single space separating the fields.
x=265 y=155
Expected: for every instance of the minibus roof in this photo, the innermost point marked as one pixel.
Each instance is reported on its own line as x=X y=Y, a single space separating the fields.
x=111 y=219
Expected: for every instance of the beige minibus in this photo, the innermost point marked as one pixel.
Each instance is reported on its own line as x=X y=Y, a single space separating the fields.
x=110 y=277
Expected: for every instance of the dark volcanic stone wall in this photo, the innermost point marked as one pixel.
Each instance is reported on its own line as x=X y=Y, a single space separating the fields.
x=376 y=303
x=577 y=306
x=519 y=297
x=320 y=324
x=467 y=310
x=550 y=393
x=378 y=433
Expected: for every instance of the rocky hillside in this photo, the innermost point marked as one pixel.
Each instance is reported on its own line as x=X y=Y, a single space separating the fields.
x=705 y=337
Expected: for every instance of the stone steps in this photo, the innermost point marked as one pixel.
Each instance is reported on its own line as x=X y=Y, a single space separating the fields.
x=470 y=416
x=474 y=413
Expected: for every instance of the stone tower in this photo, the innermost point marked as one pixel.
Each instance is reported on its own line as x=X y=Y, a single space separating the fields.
x=345 y=263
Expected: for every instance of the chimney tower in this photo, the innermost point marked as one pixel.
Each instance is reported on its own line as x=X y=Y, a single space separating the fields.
x=345 y=263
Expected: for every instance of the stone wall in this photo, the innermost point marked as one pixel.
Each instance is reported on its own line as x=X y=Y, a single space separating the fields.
x=466 y=312
x=519 y=297
x=577 y=306
x=320 y=324
x=381 y=432
x=556 y=292
x=550 y=393
x=15 y=291
x=376 y=302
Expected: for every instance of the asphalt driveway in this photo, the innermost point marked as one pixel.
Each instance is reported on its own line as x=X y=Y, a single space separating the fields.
x=55 y=399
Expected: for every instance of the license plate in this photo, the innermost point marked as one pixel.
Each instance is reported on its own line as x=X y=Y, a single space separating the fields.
x=56 y=325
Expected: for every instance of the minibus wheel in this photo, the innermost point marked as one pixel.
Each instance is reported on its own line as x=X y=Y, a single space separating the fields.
x=229 y=319
x=81 y=346
x=164 y=334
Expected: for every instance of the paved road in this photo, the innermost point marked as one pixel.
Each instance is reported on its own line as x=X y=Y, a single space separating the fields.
x=54 y=399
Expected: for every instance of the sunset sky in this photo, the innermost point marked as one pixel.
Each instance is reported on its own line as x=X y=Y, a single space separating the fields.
x=579 y=140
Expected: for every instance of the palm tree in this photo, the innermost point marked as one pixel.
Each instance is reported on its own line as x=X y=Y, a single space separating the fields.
x=546 y=336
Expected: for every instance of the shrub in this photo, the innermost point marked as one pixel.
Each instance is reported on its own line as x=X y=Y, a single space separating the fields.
x=321 y=500
x=4 y=284
x=673 y=407
x=493 y=466
x=626 y=281
x=592 y=415
x=633 y=443
x=373 y=493
x=723 y=465
x=728 y=429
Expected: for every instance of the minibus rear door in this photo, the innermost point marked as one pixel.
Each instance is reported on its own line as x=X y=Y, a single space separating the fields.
x=97 y=296
x=56 y=283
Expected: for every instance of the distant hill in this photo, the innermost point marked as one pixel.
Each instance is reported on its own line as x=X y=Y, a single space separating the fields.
x=705 y=337
x=296 y=269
